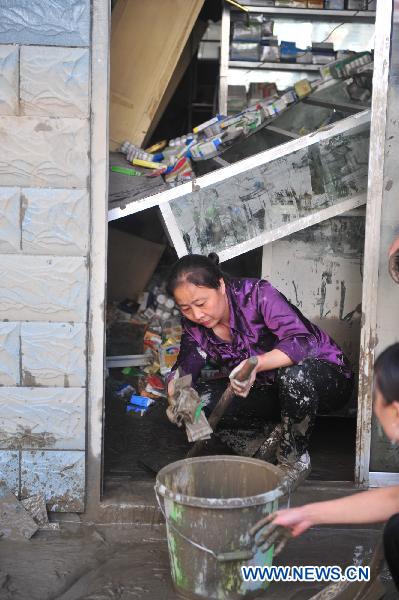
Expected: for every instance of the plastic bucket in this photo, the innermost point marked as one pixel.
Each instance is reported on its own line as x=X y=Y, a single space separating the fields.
x=209 y=504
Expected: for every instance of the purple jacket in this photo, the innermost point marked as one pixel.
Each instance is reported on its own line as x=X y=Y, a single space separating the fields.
x=261 y=319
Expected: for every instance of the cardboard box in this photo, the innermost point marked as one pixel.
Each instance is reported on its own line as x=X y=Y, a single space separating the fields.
x=147 y=41
x=356 y=4
x=335 y=4
x=292 y=3
x=131 y=263
x=302 y=88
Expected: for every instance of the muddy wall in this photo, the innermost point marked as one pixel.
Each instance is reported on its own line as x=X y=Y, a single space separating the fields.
x=320 y=269
x=384 y=456
x=44 y=246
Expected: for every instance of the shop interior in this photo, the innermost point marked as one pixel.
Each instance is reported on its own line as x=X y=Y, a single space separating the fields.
x=261 y=79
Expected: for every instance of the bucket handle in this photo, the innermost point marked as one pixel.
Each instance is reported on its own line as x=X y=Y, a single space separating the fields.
x=221 y=556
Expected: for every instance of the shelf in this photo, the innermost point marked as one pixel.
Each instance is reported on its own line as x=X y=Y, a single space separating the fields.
x=301 y=15
x=353 y=15
x=275 y=66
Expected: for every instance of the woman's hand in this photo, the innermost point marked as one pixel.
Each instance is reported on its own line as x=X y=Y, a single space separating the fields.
x=171 y=392
x=295 y=519
x=242 y=388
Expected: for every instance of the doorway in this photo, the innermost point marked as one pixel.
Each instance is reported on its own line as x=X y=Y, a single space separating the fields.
x=326 y=285
x=130 y=438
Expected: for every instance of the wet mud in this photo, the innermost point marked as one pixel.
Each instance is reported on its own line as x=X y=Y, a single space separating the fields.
x=127 y=562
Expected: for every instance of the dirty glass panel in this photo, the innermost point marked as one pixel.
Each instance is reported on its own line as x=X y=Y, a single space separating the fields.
x=345 y=91
x=255 y=143
x=300 y=119
x=383 y=456
x=305 y=118
x=276 y=193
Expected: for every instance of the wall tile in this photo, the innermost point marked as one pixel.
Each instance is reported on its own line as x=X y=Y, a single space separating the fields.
x=43 y=288
x=47 y=22
x=55 y=221
x=9 y=80
x=42 y=418
x=44 y=152
x=9 y=470
x=10 y=219
x=9 y=354
x=54 y=81
x=53 y=354
x=59 y=475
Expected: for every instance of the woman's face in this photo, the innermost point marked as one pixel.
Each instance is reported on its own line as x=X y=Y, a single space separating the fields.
x=202 y=305
x=388 y=415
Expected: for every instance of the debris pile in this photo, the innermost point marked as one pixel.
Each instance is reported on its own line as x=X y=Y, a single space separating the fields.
x=186 y=408
x=151 y=328
x=175 y=160
x=20 y=520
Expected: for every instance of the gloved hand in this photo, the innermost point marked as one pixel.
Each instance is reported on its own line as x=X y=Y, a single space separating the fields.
x=170 y=412
x=242 y=388
x=171 y=392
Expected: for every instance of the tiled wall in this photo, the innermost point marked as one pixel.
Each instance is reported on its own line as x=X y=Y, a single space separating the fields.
x=44 y=244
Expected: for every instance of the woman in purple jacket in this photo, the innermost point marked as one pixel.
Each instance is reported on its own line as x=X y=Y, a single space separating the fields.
x=228 y=320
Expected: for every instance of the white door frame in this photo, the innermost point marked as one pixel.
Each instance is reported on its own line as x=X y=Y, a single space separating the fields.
x=375 y=192
x=98 y=251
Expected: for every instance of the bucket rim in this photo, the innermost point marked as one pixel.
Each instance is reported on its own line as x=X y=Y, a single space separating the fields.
x=221 y=503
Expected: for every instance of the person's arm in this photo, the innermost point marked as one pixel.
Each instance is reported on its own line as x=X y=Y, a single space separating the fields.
x=295 y=340
x=394 y=247
x=295 y=337
x=275 y=359
x=270 y=360
x=366 y=507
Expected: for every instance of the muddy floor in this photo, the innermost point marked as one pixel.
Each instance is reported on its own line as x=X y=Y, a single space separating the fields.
x=127 y=562
x=137 y=447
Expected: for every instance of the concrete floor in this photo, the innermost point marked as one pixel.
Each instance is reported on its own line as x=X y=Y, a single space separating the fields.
x=134 y=445
x=126 y=562
x=119 y=560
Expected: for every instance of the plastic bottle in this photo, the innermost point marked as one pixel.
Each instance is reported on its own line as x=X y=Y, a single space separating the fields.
x=132 y=151
x=169 y=304
x=161 y=299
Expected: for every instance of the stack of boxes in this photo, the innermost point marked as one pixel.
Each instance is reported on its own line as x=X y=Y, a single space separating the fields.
x=236 y=99
x=252 y=39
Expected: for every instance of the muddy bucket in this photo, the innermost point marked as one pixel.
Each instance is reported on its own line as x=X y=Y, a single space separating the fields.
x=209 y=504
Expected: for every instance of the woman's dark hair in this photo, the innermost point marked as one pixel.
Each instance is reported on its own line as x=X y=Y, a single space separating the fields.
x=196 y=269
x=386 y=373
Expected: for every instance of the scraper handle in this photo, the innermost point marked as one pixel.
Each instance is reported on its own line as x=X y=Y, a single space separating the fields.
x=243 y=374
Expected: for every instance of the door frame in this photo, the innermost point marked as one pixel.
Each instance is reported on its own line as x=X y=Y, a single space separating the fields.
x=99 y=111
x=375 y=192
x=99 y=116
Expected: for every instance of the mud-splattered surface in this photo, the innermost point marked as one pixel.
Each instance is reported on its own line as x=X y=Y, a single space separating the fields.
x=126 y=562
x=137 y=447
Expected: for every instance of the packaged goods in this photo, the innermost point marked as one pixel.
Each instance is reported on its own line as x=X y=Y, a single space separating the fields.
x=269 y=50
x=244 y=51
